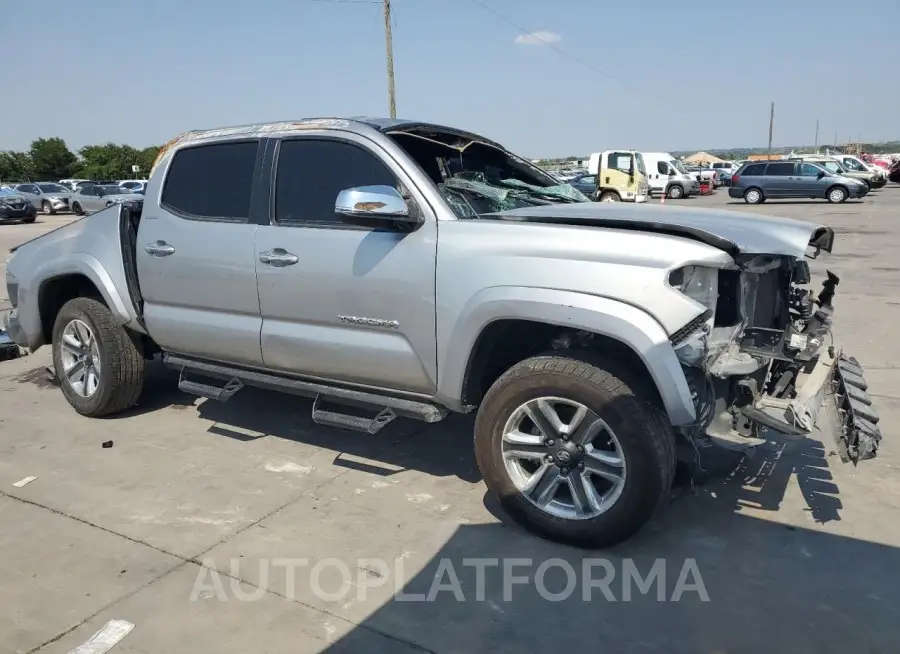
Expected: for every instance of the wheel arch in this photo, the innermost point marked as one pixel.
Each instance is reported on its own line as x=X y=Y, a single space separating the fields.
x=525 y=321
x=79 y=276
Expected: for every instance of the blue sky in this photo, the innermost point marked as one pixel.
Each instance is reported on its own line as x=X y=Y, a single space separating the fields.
x=662 y=75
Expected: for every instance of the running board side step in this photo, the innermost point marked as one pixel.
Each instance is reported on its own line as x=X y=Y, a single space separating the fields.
x=343 y=420
x=399 y=407
x=210 y=391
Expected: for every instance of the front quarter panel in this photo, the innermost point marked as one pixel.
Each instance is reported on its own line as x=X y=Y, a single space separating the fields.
x=606 y=281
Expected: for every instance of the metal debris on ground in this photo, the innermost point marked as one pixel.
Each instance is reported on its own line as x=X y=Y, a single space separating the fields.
x=105 y=639
x=24 y=482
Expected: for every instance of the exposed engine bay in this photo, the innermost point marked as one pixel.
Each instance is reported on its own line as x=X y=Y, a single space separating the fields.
x=761 y=360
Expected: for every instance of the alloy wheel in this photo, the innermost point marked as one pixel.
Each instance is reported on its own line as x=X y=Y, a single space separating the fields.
x=80 y=357
x=563 y=458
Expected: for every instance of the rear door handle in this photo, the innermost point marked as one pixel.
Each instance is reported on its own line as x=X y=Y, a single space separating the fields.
x=159 y=249
x=278 y=257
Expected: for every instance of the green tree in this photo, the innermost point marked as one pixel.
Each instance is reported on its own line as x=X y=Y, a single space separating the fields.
x=146 y=157
x=108 y=161
x=51 y=159
x=16 y=167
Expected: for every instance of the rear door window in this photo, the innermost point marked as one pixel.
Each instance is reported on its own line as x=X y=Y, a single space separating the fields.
x=780 y=169
x=753 y=170
x=211 y=182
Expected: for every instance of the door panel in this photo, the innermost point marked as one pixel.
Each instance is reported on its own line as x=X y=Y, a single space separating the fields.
x=358 y=306
x=809 y=182
x=201 y=299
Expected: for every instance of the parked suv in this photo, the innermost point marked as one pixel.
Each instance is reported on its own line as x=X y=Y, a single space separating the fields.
x=393 y=268
x=48 y=197
x=759 y=181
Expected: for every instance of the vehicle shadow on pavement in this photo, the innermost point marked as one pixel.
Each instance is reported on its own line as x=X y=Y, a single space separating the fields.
x=760 y=480
x=770 y=587
x=443 y=449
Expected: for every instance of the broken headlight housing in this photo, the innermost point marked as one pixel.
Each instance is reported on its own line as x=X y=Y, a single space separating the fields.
x=699 y=283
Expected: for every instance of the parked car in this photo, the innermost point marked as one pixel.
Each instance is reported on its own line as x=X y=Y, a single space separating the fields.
x=759 y=181
x=48 y=197
x=15 y=206
x=586 y=183
x=591 y=337
x=857 y=169
x=93 y=198
x=71 y=183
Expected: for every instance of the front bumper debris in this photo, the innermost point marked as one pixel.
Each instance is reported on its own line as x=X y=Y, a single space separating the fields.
x=859 y=433
x=856 y=433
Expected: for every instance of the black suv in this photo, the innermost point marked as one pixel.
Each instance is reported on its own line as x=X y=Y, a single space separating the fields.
x=758 y=181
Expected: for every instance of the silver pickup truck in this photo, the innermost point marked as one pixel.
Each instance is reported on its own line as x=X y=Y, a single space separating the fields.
x=393 y=268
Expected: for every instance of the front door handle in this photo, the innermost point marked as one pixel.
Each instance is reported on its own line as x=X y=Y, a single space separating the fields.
x=159 y=249
x=278 y=257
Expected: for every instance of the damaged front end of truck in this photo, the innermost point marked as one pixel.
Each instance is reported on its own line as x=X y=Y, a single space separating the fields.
x=761 y=362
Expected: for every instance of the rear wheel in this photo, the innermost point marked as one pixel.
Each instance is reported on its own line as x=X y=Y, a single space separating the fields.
x=573 y=453
x=610 y=196
x=29 y=220
x=98 y=363
x=754 y=196
x=837 y=194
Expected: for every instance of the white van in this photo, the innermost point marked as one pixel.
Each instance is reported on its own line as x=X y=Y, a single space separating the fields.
x=668 y=176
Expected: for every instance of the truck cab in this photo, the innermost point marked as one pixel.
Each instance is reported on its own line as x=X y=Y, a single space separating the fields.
x=621 y=176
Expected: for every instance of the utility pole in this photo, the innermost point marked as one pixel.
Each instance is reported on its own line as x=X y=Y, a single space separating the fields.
x=817 y=135
x=771 y=124
x=389 y=45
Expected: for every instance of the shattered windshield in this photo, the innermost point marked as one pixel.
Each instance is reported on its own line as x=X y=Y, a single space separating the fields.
x=477 y=178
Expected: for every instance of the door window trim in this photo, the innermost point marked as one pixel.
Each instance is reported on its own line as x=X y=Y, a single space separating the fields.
x=257 y=165
x=370 y=146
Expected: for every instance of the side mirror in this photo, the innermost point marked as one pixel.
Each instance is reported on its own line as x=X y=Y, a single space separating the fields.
x=375 y=204
x=820 y=175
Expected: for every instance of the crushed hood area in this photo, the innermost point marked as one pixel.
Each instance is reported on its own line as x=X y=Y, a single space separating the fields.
x=734 y=232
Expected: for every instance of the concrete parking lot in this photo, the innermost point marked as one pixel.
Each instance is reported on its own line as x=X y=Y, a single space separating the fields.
x=243 y=527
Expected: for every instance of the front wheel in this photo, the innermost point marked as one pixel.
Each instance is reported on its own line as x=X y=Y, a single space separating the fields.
x=676 y=192
x=47 y=208
x=98 y=363
x=837 y=195
x=77 y=210
x=610 y=196
x=573 y=453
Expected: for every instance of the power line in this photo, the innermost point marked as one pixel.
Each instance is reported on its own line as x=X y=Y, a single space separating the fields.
x=552 y=45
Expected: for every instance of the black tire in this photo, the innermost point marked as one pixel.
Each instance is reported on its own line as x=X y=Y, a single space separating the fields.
x=837 y=194
x=609 y=196
x=644 y=434
x=77 y=210
x=29 y=220
x=121 y=375
x=47 y=208
x=754 y=195
x=676 y=192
